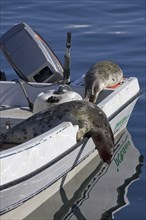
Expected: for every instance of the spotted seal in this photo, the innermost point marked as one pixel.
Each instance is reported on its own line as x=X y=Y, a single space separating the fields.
x=101 y=75
x=91 y=120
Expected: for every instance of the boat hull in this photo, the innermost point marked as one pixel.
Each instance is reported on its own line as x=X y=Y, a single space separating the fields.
x=57 y=199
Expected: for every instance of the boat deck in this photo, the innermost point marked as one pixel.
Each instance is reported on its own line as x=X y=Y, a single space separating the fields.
x=10 y=116
x=15 y=112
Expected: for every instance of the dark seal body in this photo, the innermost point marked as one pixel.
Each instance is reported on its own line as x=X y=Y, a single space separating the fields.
x=101 y=75
x=91 y=120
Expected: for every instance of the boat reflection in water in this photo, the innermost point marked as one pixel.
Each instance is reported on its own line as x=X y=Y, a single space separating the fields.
x=104 y=190
x=96 y=192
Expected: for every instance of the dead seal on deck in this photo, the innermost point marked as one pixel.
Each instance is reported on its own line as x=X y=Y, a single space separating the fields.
x=91 y=120
x=101 y=75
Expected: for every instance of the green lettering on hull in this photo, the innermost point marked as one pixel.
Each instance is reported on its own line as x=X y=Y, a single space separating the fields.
x=121 y=155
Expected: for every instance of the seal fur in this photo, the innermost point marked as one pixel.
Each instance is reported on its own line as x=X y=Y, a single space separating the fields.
x=91 y=120
x=101 y=75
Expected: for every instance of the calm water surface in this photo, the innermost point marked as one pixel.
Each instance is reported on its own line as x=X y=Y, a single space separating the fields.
x=101 y=30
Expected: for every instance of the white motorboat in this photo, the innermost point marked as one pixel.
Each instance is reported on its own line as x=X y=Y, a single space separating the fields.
x=36 y=166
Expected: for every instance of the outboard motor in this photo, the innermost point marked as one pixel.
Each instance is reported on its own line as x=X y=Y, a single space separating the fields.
x=30 y=56
x=52 y=97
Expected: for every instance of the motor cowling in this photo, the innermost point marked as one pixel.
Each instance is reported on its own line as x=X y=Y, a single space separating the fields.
x=52 y=97
x=30 y=56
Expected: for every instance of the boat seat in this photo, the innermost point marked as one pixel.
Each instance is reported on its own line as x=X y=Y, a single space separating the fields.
x=10 y=116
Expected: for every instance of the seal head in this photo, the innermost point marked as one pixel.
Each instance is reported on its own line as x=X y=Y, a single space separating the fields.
x=101 y=75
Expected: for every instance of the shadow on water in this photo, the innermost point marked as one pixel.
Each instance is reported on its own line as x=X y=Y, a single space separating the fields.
x=104 y=191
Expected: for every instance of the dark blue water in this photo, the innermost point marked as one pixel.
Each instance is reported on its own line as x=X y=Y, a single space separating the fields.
x=101 y=30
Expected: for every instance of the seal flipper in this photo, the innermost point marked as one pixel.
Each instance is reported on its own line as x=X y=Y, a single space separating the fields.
x=81 y=134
